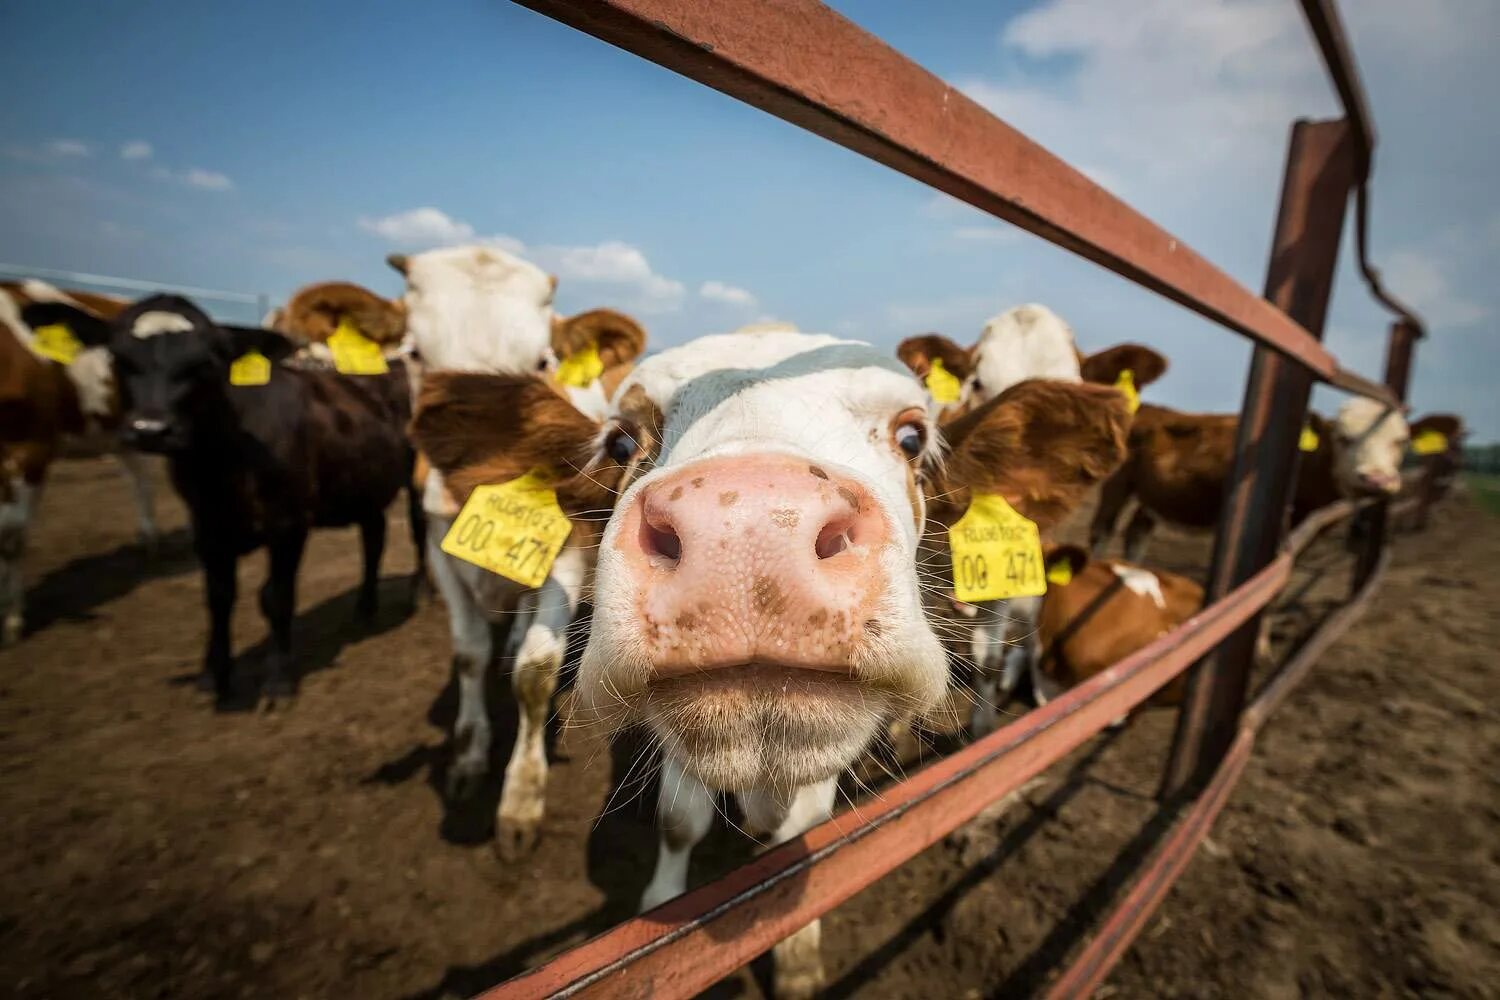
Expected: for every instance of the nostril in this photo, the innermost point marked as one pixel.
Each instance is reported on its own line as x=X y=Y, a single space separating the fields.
x=836 y=536
x=660 y=541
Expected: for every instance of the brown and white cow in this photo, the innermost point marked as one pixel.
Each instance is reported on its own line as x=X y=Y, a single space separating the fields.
x=47 y=408
x=482 y=310
x=1026 y=342
x=1179 y=463
x=758 y=598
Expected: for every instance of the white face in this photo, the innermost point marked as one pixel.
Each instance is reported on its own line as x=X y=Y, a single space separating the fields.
x=1369 y=442
x=479 y=309
x=756 y=598
x=1021 y=343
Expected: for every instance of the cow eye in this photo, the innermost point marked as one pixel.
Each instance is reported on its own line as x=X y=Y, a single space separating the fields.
x=620 y=445
x=911 y=435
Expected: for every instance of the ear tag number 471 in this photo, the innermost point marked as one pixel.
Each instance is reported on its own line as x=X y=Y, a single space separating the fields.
x=997 y=553
x=514 y=529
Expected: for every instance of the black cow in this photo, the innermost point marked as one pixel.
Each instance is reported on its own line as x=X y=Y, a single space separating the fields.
x=257 y=465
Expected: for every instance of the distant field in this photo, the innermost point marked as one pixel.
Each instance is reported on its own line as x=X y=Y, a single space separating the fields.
x=1486 y=491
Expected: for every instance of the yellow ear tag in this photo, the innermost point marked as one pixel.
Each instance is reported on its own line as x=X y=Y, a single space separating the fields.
x=997 y=553
x=250 y=368
x=942 y=384
x=1060 y=573
x=56 y=341
x=1309 y=439
x=1430 y=443
x=1125 y=383
x=354 y=353
x=581 y=368
x=514 y=529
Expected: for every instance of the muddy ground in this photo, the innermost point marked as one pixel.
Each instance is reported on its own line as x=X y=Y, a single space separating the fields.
x=153 y=847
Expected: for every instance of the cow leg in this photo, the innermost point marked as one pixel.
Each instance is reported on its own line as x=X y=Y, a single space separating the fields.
x=138 y=469
x=15 y=517
x=219 y=580
x=372 y=541
x=473 y=648
x=1138 y=533
x=987 y=647
x=684 y=812
x=1113 y=496
x=797 y=961
x=421 y=586
x=278 y=602
x=534 y=678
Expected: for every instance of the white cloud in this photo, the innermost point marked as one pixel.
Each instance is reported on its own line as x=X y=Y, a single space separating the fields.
x=419 y=227
x=206 y=180
x=1419 y=280
x=137 y=149
x=718 y=291
x=68 y=148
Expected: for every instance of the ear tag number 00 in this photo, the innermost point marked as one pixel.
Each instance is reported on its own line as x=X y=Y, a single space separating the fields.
x=354 y=353
x=997 y=553
x=56 y=342
x=514 y=529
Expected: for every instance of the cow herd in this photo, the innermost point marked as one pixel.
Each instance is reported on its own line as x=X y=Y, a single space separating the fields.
x=789 y=544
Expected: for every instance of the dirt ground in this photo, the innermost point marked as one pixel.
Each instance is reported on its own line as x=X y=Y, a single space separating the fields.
x=152 y=847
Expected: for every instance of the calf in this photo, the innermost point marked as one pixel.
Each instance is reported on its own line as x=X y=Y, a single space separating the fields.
x=258 y=463
x=479 y=309
x=759 y=603
x=1096 y=613
x=1179 y=464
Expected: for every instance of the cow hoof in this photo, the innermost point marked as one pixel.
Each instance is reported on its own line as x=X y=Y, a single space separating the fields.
x=515 y=839
x=278 y=689
x=465 y=780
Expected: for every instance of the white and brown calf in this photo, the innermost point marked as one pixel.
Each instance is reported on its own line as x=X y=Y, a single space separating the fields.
x=758 y=600
x=481 y=310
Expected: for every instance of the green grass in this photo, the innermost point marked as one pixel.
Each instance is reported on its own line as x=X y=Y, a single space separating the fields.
x=1486 y=491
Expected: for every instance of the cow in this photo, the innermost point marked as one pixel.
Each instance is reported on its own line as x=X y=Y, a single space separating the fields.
x=1437 y=442
x=46 y=408
x=1179 y=464
x=1095 y=613
x=483 y=310
x=260 y=453
x=759 y=603
x=1025 y=342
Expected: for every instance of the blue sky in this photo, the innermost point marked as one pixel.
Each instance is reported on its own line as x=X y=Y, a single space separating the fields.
x=259 y=147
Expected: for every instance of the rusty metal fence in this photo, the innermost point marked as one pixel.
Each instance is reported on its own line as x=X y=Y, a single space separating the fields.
x=801 y=61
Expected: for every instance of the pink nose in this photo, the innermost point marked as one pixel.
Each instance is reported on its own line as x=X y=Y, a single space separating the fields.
x=754 y=559
x=1380 y=482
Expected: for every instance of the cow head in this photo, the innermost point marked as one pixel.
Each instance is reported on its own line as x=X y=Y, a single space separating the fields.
x=1369 y=441
x=171 y=365
x=1026 y=342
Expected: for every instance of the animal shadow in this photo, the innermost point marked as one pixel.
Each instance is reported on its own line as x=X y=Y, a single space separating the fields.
x=74 y=590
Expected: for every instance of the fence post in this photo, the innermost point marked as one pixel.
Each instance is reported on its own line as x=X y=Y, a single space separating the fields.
x=1368 y=529
x=1320 y=171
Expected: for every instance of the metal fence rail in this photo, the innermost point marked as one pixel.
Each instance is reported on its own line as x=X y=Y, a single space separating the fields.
x=805 y=63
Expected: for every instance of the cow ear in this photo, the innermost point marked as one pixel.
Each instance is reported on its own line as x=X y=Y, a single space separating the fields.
x=314 y=313
x=89 y=329
x=480 y=428
x=274 y=346
x=1041 y=444
x=917 y=353
x=1144 y=364
x=618 y=338
x=1446 y=424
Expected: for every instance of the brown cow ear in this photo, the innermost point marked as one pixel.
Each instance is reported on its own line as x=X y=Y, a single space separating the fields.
x=479 y=428
x=917 y=353
x=1446 y=424
x=313 y=313
x=619 y=338
x=1041 y=444
x=1144 y=364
